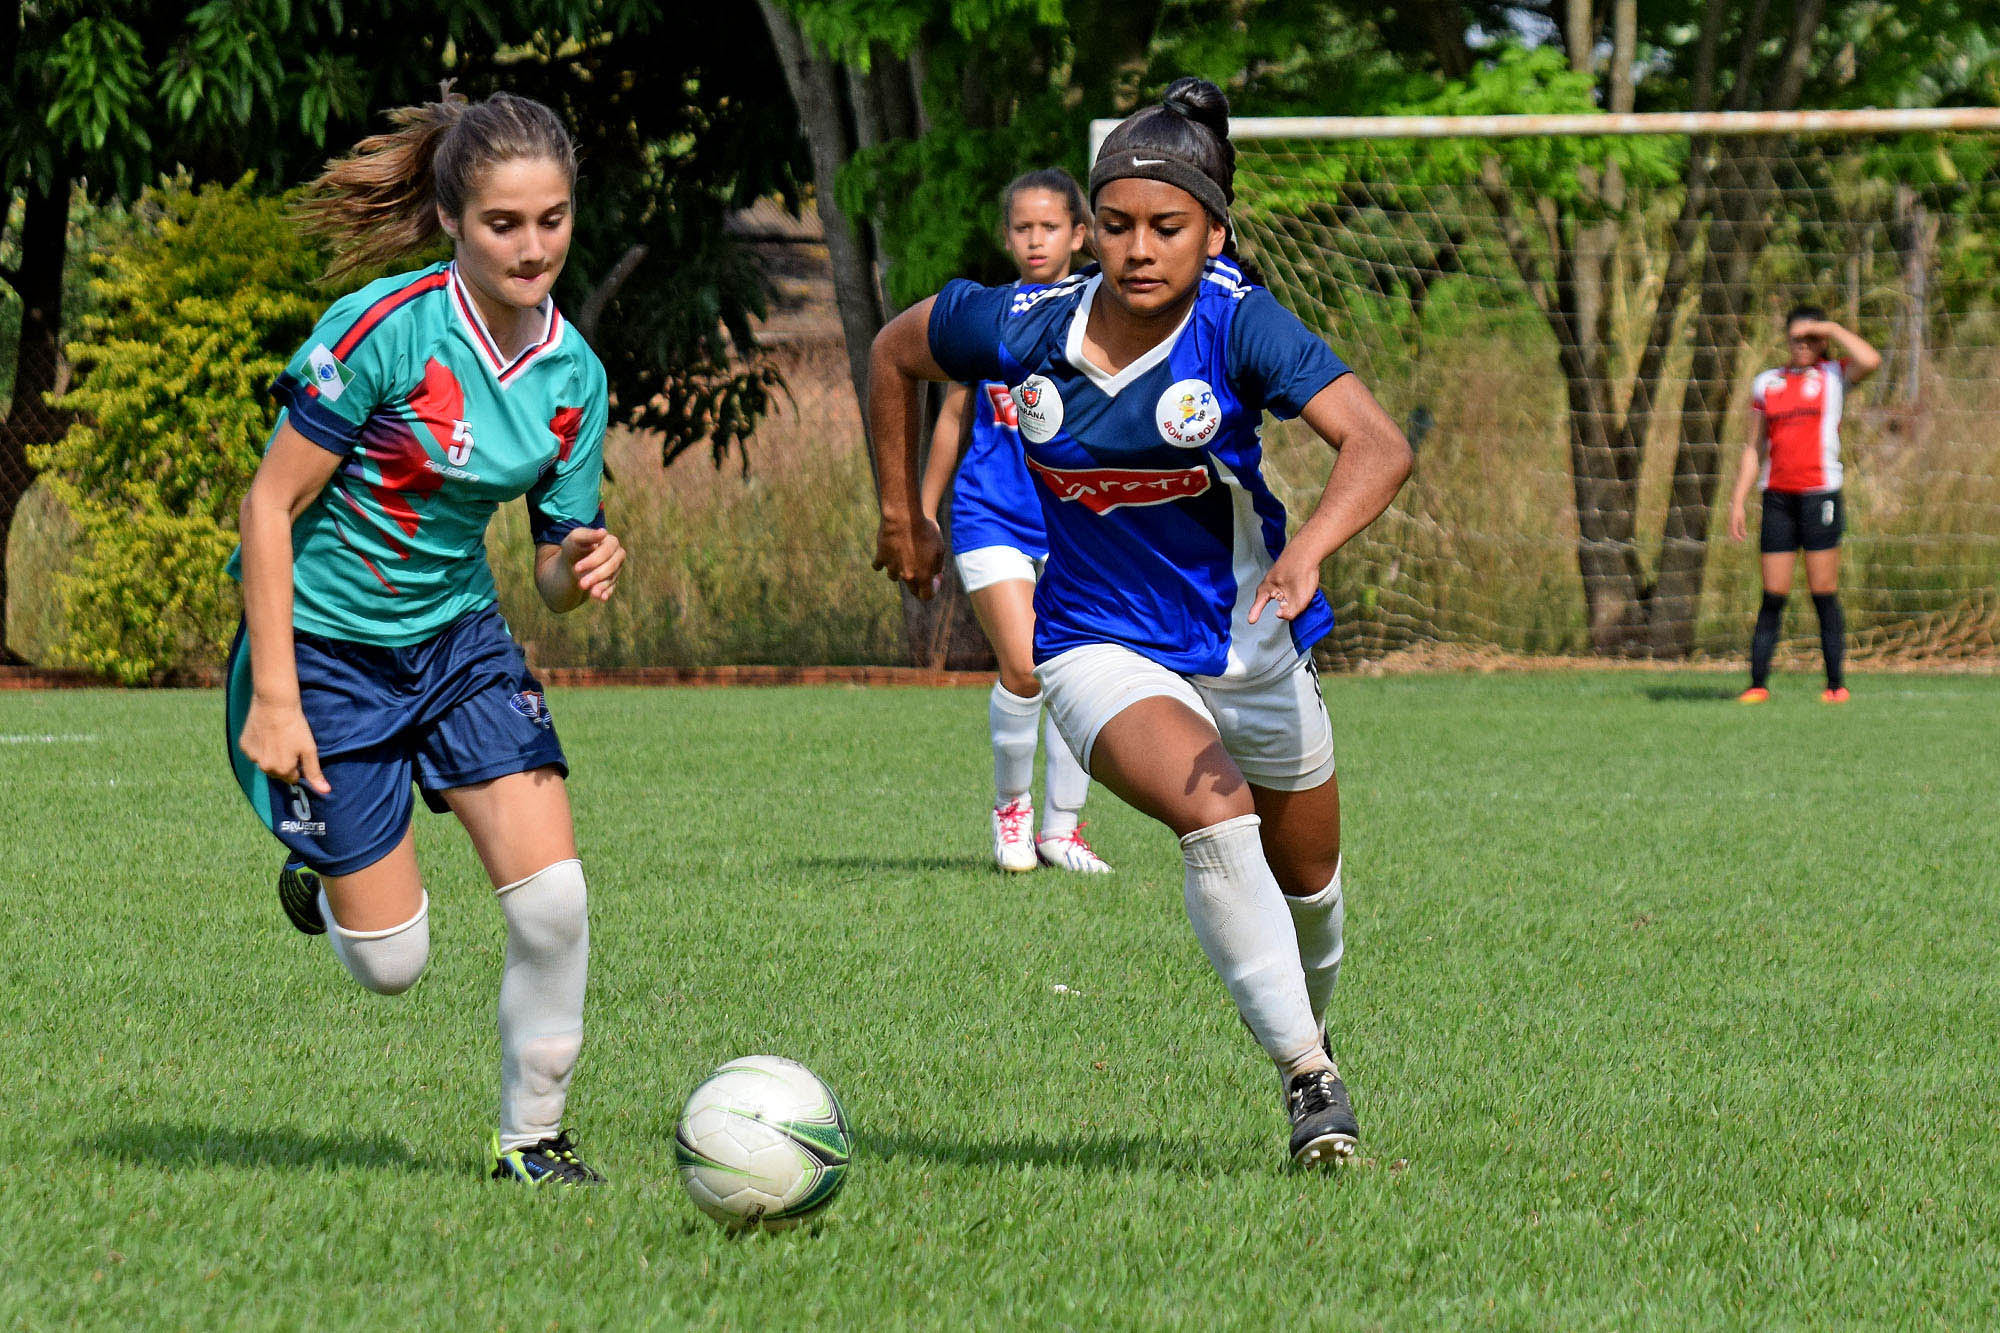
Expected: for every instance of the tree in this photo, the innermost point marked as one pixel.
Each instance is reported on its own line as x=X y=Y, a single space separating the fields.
x=192 y=316
x=917 y=114
x=97 y=99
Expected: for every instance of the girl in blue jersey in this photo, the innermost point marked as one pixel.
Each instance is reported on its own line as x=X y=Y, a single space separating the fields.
x=372 y=653
x=1000 y=547
x=1174 y=622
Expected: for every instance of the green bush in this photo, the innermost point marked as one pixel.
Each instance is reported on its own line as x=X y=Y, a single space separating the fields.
x=190 y=320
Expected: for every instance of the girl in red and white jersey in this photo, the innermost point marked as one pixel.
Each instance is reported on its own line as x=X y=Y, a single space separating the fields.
x=1793 y=455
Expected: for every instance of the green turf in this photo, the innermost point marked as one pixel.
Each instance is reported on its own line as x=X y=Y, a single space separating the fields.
x=1658 y=1011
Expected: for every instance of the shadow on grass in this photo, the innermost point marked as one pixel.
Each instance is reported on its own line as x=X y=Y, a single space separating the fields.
x=1691 y=694
x=212 y=1145
x=1097 y=1152
x=879 y=864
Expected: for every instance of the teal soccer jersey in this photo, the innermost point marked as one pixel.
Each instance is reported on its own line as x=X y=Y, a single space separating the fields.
x=435 y=430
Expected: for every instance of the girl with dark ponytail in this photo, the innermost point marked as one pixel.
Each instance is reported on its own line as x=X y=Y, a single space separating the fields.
x=999 y=545
x=372 y=654
x=1174 y=622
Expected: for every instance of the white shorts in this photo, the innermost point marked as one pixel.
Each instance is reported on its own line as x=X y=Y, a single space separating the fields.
x=988 y=565
x=1274 y=726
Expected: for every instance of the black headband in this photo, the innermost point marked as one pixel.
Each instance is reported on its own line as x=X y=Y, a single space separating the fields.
x=1153 y=165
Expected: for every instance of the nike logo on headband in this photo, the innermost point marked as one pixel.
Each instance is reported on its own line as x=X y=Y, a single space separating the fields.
x=1148 y=161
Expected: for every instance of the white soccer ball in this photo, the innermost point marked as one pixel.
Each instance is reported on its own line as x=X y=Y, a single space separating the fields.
x=762 y=1142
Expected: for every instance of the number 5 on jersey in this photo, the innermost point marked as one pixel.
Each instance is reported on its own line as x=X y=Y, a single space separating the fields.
x=461 y=443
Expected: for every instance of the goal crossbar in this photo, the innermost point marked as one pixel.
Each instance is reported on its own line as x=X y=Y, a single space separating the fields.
x=1865 y=121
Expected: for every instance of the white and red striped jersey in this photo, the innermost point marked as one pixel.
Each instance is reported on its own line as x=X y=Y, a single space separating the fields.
x=1802 y=422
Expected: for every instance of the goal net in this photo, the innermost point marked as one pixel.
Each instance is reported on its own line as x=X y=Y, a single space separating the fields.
x=1565 y=315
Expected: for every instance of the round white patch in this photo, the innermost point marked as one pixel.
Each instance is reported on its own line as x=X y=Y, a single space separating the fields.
x=1040 y=408
x=1188 y=414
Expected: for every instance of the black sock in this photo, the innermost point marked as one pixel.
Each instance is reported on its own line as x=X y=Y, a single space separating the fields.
x=1832 y=635
x=1765 y=641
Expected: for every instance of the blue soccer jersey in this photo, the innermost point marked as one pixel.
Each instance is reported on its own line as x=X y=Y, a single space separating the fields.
x=993 y=500
x=1160 y=525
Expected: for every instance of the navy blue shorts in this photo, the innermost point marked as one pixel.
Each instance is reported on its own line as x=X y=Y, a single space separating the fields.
x=451 y=711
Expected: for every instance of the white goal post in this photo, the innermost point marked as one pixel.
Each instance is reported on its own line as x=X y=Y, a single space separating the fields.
x=1565 y=313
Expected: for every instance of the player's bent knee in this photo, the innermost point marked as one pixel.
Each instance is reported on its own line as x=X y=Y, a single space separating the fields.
x=389 y=961
x=1303 y=879
x=1021 y=684
x=548 y=911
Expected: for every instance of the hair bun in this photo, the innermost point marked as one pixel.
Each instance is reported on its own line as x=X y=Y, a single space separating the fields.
x=1200 y=101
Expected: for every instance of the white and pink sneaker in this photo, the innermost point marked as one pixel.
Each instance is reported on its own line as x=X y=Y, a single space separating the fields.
x=1013 y=836
x=1068 y=851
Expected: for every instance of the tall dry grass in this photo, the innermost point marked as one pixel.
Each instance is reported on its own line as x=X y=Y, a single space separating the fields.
x=1479 y=550
x=727 y=566
x=39 y=550
x=1480 y=547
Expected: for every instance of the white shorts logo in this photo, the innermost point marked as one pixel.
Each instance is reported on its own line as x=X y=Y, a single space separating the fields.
x=1188 y=415
x=299 y=806
x=1040 y=408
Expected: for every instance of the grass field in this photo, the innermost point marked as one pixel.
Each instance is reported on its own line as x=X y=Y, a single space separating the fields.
x=1658 y=1012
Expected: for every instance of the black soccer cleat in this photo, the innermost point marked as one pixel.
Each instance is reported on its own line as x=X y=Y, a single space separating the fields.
x=298 y=894
x=1324 y=1129
x=553 y=1161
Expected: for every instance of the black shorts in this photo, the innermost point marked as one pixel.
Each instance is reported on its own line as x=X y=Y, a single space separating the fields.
x=1794 y=519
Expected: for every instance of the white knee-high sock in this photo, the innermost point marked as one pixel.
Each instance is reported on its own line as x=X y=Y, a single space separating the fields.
x=1239 y=915
x=1064 y=782
x=387 y=962
x=541 y=1000
x=1012 y=719
x=1318 y=921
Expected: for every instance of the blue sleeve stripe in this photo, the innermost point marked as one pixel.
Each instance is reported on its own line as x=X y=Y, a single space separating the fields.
x=313 y=419
x=549 y=530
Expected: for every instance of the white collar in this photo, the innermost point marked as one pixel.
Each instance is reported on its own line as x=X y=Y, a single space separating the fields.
x=1110 y=384
x=504 y=369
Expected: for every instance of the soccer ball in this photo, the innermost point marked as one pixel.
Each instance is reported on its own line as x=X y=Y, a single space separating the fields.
x=762 y=1142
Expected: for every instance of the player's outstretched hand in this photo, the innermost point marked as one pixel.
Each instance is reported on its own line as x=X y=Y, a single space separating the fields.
x=911 y=553
x=1289 y=584
x=280 y=742
x=1738 y=529
x=595 y=557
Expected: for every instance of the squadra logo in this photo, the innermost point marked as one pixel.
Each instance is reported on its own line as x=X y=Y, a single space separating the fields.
x=1187 y=414
x=1040 y=408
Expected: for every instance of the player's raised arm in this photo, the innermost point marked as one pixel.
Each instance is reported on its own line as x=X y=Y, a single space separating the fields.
x=907 y=545
x=1862 y=358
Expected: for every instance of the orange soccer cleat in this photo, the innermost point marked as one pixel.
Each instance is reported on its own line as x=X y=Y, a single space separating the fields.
x=1834 y=694
x=1756 y=694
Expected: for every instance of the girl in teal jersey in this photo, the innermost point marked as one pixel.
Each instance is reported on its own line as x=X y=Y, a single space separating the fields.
x=372 y=653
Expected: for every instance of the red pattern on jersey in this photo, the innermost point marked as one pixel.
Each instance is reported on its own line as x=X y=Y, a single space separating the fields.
x=567 y=423
x=1005 y=413
x=1103 y=489
x=1795 y=420
x=402 y=463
